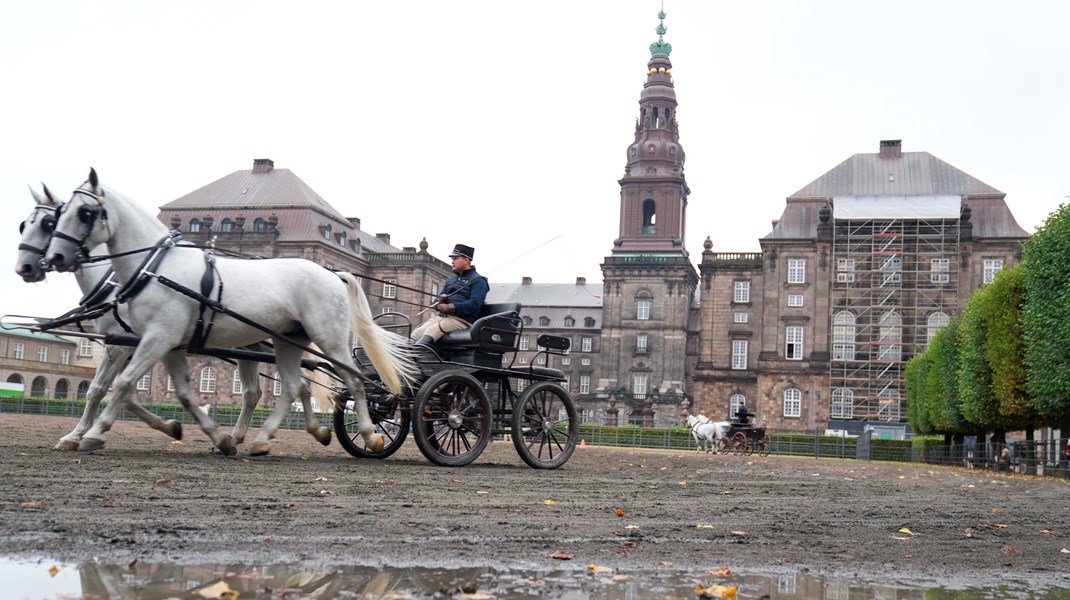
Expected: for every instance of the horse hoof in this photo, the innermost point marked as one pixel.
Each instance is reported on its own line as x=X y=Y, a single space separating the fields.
x=226 y=447
x=376 y=443
x=66 y=446
x=174 y=429
x=90 y=444
x=323 y=435
x=260 y=449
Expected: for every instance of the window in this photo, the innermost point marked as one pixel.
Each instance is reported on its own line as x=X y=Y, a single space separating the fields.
x=792 y=403
x=544 y=321
x=795 y=300
x=327 y=233
x=741 y=292
x=524 y=343
x=570 y=322
x=585 y=361
x=740 y=318
x=143 y=383
x=568 y=379
x=639 y=385
x=843 y=335
x=85 y=348
x=62 y=390
x=843 y=404
x=566 y=360
x=796 y=270
x=586 y=344
x=888 y=404
x=734 y=402
x=941 y=270
x=39 y=388
x=83 y=389
x=936 y=322
x=640 y=342
x=739 y=354
x=540 y=359
x=890 y=336
x=642 y=311
x=342 y=238
x=64 y=357
x=276 y=388
x=992 y=266
x=521 y=384
x=649 y=216
x=170 y=384
x=194 y=225
x=793 y=349
x=588 y=321
x=42 y=353
x=18 y=351
x=258 y=224
x=526 y=320
x=845 y=270
x=208 y=379
x=891 y=270
x=585 y=384
x=390 y=288
x=235 y=384
x=226 y=224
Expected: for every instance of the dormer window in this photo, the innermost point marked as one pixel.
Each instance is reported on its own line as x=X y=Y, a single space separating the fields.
x=226 y=224
x=258 y=224
x=194 y=225
x=327 y=233
x=342 y=239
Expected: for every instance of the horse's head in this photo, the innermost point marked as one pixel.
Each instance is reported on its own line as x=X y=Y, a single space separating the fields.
x=36 y=232
x=691 y=420
x=82 y=224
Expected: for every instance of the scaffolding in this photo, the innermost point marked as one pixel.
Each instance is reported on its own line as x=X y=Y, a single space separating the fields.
x=896 y=283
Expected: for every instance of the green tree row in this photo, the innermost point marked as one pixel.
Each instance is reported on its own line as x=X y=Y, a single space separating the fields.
x=1004 y=364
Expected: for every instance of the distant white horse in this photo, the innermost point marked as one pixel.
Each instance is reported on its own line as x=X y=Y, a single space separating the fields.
x=707 y=433
x=294 y=299
x=36 y=232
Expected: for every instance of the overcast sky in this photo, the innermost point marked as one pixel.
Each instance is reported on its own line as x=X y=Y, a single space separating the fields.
x=504 y=125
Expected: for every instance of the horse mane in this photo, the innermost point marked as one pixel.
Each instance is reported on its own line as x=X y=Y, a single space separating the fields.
x=112 y=195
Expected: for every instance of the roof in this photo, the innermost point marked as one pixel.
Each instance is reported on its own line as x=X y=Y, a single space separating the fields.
x=530 y=295
x=22 y=332
x=910 y=175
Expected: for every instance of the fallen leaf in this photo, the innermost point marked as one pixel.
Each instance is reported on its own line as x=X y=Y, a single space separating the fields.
x=684 y=482
x=176 y=442
x=326 y=493
x=737 y=533
x=559 y=555
x=619 y=512
x=53 y=570
x=620 y=578
x=132 y=564
x=629 y=544
x=996 y=510
x=999 y=525
x=727 y=493
x=482 y=492
x=32 y=504
x=1064 y=551
x=1046 y=532
x=631 y=527
x=453 y=479
x=722 y=572
x=902 y=476
x=214 y=591
x=722 y=592
x=899 y=537
x=1009 y=549
x=322 y=478
x=163 y=481
x=664 y=563
x=593 y=569
x=703 y=526
x=906 y=531
x=280 y=453
x=549 y=502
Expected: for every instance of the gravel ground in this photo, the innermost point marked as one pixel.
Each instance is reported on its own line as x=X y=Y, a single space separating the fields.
x=146 y=498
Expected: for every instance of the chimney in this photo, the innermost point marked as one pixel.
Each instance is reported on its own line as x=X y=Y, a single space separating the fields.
x=581 y=281
x=354 y=222
x=383 y=237
x=263 y=165
x=526 y=281
x=891 y=149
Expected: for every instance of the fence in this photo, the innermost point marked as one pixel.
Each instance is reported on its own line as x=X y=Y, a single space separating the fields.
x=1043 y=458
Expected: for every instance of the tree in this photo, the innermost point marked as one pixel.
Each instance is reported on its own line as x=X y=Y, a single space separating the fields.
x=917 y=402
x=941 y=382
x=1046 y=317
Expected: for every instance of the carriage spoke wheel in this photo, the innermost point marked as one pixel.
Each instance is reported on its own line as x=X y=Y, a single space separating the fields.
x=390 y=417
x=726 y=445
x=545 y=427
x=763 y=447
x=751 y=446
x=452 y=419
x=739 y=442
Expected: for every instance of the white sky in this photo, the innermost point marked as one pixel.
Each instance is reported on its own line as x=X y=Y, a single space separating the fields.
x=503 y=125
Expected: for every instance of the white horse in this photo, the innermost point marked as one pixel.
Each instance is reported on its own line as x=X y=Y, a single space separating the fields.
x=36 y=232
x=296 y=300
x=708 y=434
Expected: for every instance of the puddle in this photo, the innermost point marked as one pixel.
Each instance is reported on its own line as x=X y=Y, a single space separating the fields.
x=45 y=580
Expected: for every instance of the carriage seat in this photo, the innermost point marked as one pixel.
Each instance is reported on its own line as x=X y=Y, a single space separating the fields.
x=495 y=330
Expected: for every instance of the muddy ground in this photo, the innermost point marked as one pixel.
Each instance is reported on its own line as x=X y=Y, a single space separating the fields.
x=146 y=498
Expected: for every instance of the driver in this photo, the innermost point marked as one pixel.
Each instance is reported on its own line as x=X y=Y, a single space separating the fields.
x=743 y=415
x=460 y=301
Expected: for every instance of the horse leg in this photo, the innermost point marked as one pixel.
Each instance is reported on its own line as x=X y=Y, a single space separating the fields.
x=131 y=371
x=287 y=364
x=113 y=361
x=312 y=422
x=175 y=361
x=249 y=372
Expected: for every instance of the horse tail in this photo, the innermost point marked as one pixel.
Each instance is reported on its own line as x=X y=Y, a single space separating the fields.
x=388 y=351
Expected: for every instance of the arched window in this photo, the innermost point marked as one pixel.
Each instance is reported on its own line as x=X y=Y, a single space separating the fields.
x=226 y=224
x=843 y=403
x=39 y=387
x=792 y=403
x=843 y=335
x=891 y=336
x=936 y=322
x=208 y=380
x=14 y=378
x=570 y=322
x=194 y=225
x=544 y=321
x=63 y=389
x=734 y=402
x=649 y=216
x=258 y=224
x=83 y=389
x=327 y=233
x=588 y=321
x=527 y=321
x=342 y=237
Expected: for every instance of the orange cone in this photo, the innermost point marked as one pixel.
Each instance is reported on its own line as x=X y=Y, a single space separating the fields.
x=583 y=443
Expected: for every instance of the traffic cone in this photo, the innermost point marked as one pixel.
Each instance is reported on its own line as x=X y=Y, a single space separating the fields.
x=583 y=443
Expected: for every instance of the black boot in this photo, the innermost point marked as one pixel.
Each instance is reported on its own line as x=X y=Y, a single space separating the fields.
x=426 y=341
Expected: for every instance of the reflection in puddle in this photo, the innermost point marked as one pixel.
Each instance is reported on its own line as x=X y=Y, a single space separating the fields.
x=91 y=581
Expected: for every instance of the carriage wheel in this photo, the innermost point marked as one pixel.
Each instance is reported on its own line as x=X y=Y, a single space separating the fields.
x=726 y=445
x=739 y=442
x=749 y=448
x=390 y=418
x=763 y=448
x=545 y=427
x=452 y=423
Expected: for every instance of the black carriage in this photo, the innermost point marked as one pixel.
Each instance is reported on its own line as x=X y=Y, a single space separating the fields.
x=745 y=439
x=471 y=390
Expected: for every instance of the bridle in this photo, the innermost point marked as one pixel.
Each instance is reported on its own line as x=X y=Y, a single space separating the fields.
x=48 y=225
x=697 y=422
x=88 y=215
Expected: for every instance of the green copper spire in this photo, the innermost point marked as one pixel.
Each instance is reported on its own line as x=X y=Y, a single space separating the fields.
x=660 y=47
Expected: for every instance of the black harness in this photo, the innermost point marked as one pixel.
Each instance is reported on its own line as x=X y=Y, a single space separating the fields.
x=48 y=224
